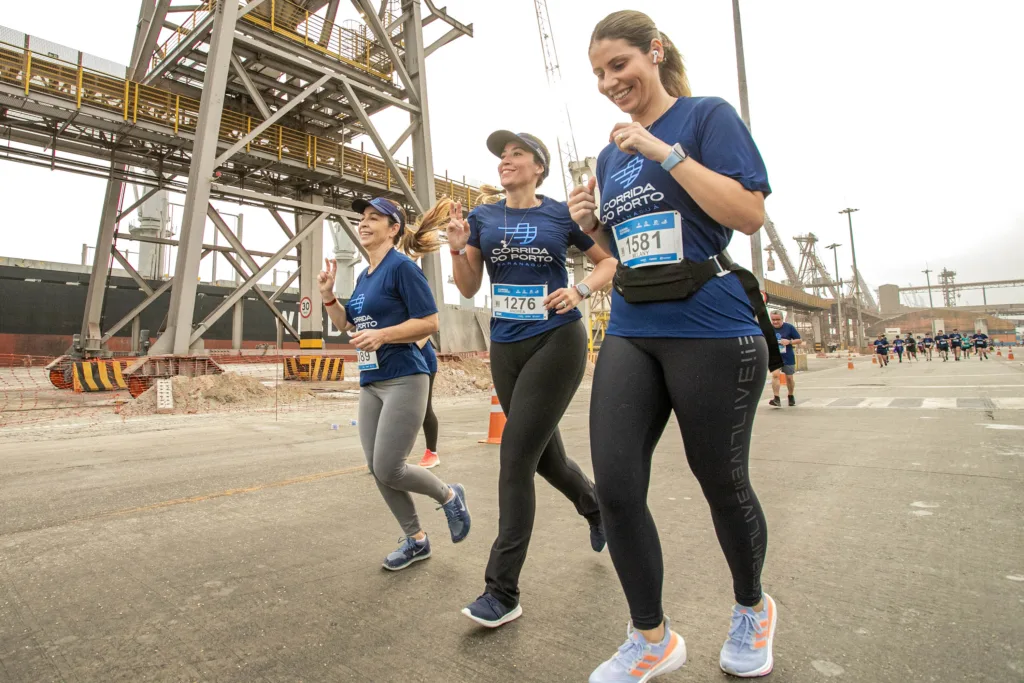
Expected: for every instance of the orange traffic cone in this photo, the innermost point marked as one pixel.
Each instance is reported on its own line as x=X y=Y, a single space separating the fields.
x=849 y=365
x=1009 y=355
x=497 y=423
x=874 y=359
x=999 y=352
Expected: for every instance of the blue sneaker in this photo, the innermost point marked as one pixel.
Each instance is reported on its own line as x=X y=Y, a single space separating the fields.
x=488 y=611
x=597 y=539
x=457 y=513
x=748 y=650
x=638 y=661
x=408 y=552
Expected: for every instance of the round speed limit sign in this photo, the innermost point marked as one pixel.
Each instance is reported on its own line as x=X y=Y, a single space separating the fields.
x=305 y=307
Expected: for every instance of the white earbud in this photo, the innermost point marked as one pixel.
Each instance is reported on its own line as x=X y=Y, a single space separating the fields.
x=655 y=56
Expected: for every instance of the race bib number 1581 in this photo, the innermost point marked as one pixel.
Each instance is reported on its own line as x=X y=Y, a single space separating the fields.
x=653 y=239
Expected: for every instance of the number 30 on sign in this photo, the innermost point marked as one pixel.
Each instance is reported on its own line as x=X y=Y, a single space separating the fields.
x=305 y=307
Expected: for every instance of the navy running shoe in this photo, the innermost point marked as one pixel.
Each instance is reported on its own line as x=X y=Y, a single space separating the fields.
x=457 y=513
x=488 y=611
x=408 y=552
x=597 y=538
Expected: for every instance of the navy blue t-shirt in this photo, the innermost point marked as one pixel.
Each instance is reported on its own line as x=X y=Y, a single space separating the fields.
x=882 y=345
x=928 y=341
x=711 y=132
x=980 y=340
x=528 y=249
x=394 y=292
x=427 y=350
x=898 y=344
x=787 y=331
x=943 y=340
x=954 y=339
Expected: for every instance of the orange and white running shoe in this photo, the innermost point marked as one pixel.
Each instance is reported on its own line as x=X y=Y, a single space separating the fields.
x=429 y=460
x=638 y=661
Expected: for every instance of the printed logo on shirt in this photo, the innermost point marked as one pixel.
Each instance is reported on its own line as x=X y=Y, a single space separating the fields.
x=629 y=173
x=357 y=303
x=523 y=232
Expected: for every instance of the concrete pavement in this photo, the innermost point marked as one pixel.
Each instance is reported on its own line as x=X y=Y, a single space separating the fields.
x=237 y=548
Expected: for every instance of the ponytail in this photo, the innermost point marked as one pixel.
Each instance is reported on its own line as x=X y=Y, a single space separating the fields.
x=672 y=71
x=638 y=29
x=422 y=237
x=489 y=194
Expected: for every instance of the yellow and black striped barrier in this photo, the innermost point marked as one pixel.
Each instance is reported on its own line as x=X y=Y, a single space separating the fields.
x=98 y=375
x=314 y=369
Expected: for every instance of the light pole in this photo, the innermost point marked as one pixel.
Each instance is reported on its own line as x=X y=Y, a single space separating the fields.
x=927 y=274
x=856 y=279
x=741 y=77
x=839 y=295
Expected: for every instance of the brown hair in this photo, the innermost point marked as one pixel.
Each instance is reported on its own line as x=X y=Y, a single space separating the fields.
x=489 y=194
x=638 y=29
x=422 y=237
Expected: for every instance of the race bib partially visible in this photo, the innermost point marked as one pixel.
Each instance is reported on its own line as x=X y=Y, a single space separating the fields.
x=654 y=239
x=366 y=360
x=522 y=303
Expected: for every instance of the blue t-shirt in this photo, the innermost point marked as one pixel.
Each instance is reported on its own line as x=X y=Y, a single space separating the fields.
x=943 y=340
x=394 y=292
x=787 y=331
x=711 y=132
x=928 y=341
x=529 y=249
x=898 y=344
x=954 y=339
x=429 y=356
x=979 y=340
x=881 y=345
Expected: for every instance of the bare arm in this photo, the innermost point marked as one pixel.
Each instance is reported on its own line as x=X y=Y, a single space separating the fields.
x=410 y=331
x=336 y=312
x=468 y=271
x=604 y=268
x=724 y=199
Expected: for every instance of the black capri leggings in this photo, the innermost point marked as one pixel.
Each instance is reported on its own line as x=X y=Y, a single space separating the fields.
x=430 y=419
x=535 y=380
x=712 y=386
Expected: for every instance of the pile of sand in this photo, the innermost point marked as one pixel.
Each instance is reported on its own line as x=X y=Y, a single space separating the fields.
x=212 y=393
x=462 y=376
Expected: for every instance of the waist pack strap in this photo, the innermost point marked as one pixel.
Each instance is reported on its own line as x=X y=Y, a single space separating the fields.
x=753 y=290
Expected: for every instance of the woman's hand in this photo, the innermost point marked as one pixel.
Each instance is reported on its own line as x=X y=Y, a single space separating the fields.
x=325 y=280
x=369 y=340
x=632 y=138
x=563 y=300
x=583 y=204
x=458 y=229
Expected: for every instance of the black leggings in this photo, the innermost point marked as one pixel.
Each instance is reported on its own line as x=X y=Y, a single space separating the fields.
x=535 y=380
x=430 y=419
x=712 y=386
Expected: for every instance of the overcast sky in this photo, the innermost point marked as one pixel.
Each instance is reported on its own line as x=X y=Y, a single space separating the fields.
x=907 y=110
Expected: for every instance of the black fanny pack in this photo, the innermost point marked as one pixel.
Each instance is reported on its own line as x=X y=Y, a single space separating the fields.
x=676 y=281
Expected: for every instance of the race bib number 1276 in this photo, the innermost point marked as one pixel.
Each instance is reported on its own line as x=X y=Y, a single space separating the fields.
x=518 y=302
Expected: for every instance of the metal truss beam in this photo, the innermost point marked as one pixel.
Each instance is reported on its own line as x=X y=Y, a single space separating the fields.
x=219 y=248
x=236 y=244
x=250 y=87
x=252 y=135
x=134 y=274
x=230 y=300
x=442 y=41
x=280 y=221
x=401 y=139
x=384 y=38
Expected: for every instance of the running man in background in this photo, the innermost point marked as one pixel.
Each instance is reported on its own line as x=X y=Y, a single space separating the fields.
x=926 y=346
x=787 y=337
x=981 y=344
x=882 y=351
x=942 y=342
x=911 y=344
x=897 y=346
x=954 y=341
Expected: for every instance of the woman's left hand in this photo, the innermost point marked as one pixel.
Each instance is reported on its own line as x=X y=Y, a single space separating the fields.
x=563 y=300
x=368 y=340
x=632 y=138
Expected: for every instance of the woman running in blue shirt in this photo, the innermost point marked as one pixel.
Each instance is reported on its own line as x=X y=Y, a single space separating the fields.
x=391 y=308
x=538 y=351
x=676 y=181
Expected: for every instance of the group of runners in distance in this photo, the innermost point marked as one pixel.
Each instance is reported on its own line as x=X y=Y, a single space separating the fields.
x=686 y=336
x=961 y=345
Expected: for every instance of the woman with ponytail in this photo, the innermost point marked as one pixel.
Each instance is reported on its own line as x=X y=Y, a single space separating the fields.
x=676 y=181
x=392 y=308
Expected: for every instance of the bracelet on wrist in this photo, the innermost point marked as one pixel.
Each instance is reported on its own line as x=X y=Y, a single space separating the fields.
x=328 y=304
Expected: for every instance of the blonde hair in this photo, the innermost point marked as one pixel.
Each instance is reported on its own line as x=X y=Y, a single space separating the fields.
x=638 y=29
x=422 y=237
x=489 y=194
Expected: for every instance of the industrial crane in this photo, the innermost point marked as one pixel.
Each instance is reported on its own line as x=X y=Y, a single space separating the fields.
x=566 y=140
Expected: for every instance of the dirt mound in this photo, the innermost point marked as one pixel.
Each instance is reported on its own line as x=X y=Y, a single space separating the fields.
x=211 y=393
x=463 y=376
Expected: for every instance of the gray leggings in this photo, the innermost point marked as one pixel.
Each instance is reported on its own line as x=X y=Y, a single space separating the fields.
x=390 y=414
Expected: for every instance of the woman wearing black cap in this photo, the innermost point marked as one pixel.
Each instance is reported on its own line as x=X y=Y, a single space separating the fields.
x=538 y=350
x=390 y=309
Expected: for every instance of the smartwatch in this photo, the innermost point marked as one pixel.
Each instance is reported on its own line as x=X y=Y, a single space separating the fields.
x=675 y=157
x=582 y=290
